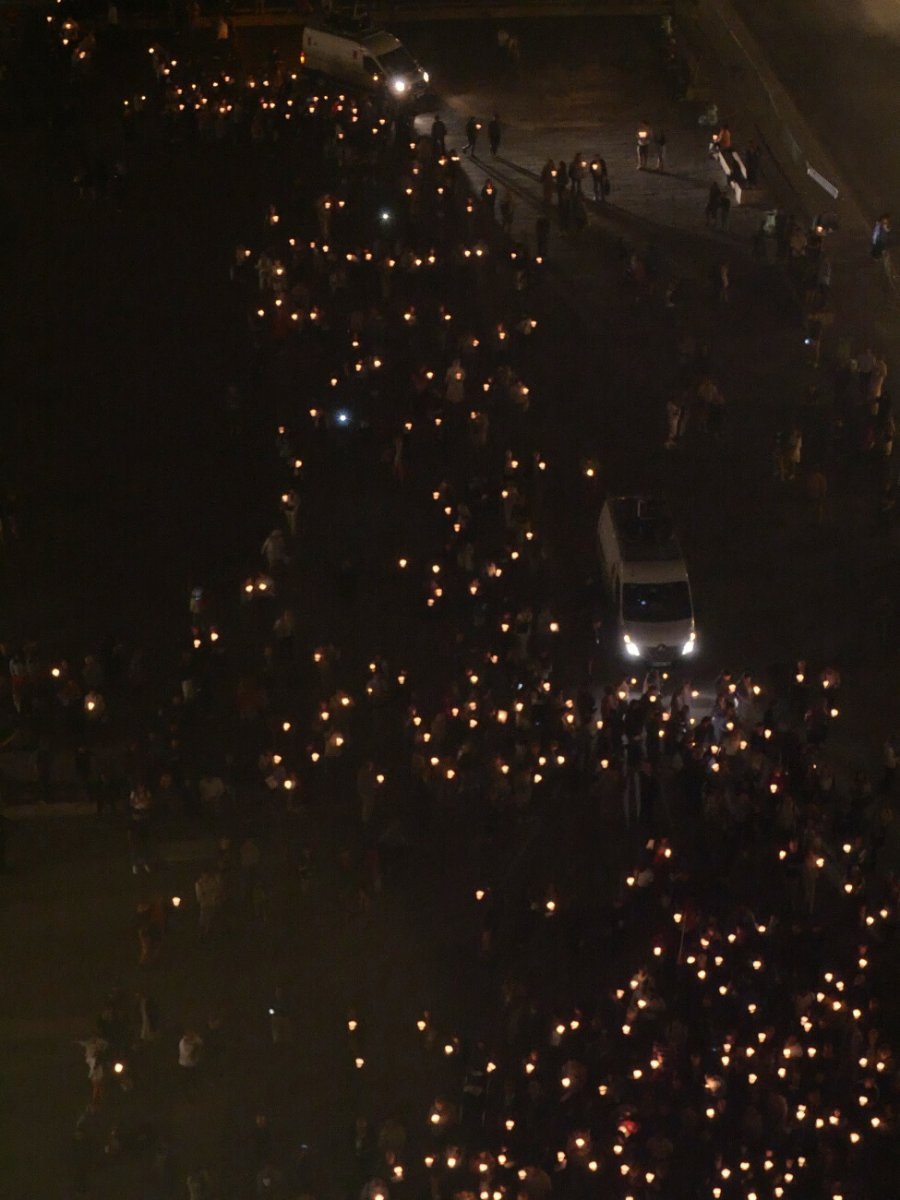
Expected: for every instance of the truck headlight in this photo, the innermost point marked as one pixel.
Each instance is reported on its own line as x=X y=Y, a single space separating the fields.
x=690 y=645
x=631 y=647
x=398 y=86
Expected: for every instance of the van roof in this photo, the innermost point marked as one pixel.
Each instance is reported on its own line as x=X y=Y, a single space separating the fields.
x=644 y=529
x=659 y=570
x=380 y=42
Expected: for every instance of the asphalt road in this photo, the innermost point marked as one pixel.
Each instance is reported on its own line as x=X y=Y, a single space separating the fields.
x=131 y=488
x=767 y=580
x=107 y=362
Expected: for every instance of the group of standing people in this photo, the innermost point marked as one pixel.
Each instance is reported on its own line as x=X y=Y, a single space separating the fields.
x=679 y=904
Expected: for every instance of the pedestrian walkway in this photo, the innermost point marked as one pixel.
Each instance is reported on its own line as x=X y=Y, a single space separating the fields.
x=560 y=111
x=865 y=291
x=599 y=113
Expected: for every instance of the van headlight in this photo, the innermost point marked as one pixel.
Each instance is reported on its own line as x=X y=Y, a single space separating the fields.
x=690 y=645
x=631 y=647
x=398 y=86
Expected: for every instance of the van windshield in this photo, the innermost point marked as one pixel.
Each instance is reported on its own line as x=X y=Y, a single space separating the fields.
x=398 y=61
x=656 y=603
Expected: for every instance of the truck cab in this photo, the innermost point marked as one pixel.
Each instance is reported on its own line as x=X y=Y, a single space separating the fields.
x=647 y=579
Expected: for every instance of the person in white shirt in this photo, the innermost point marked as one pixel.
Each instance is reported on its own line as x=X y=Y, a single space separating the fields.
x=273 y=550
x=455 y=380
x=189 y=1050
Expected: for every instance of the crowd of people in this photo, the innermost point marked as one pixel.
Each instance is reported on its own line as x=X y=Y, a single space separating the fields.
x=679 y=908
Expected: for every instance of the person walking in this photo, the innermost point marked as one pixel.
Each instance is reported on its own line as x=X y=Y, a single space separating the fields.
x=659 y=141
x=724 y=283
x=865 y=368
x=548 y=183
x=455 y=382
x=190 y=1048
x=199 y=1185
x=877 y=380
x=561 y=181
x=151 y=927
x=674 y=421
x=149 y=1011
x=823 y=278
x=880 y=232
x=140 y=804
x=210 y=892
x=576 y=173
x=472 y=128
x=889 y=756
x=493 y=132
x=643 y=148
x=489 y=197
x=290 y=506
x=274 y=550
x=793 y=452
x=599 y=179
x=438 y=136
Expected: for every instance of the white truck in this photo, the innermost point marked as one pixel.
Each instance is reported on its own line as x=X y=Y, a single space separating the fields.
x=647 y=579
x=369 y=59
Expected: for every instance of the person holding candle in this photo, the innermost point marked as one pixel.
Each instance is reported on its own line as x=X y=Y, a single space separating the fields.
x=548 y=182
x=274 y=550
x=439 y=136
x=494 y=132
x=473 y=126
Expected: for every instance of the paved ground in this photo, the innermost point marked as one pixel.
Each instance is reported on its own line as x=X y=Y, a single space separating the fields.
x=787 y=567
x=167 y=496
x=840 y=60
x=768 y=80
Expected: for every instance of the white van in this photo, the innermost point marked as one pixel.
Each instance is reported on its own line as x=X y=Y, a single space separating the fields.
x=371 y=59
x=648 y=580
